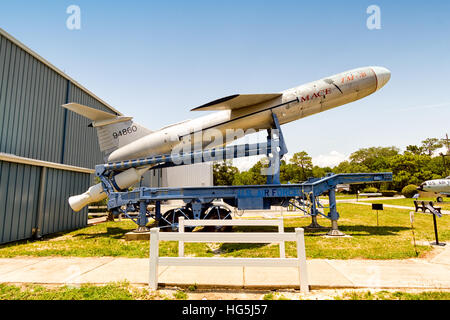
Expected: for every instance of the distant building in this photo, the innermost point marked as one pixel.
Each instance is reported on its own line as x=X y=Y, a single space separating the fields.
x=196 y=175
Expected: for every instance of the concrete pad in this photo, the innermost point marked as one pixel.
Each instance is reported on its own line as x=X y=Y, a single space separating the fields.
x=322 y=274
x=15 y=264
x=54 y=270
x=133 y=270
x=271 y=277
x=231 y=277
x=443 y=257
x=131 y=236
x=409 y=273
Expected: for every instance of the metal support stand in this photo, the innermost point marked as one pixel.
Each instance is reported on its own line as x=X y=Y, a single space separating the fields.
x=314 y=224
x=436 y=243
x=142 y=218
x=314 y=213
x=334 y=216
x=278 y=149
x=157 y=210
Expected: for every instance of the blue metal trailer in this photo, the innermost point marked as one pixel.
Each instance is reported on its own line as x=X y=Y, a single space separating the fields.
x=199 y=201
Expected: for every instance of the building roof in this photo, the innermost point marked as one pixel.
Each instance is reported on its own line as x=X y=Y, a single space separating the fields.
x=51 y=66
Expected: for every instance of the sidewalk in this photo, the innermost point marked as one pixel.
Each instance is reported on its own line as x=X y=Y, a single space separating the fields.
x=411 y=273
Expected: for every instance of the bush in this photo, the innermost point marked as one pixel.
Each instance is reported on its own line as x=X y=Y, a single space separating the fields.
x=388 y=193
x=409 y=190
x=370 y=190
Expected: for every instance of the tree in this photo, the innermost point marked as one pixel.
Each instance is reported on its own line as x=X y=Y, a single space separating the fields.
x=304 y=162
x=319 y=172
x=288 y=172
x=374 y=158
x=410 y=169
x=224 y=173
x=414 y=149
x=252 y=176
x=431 y=144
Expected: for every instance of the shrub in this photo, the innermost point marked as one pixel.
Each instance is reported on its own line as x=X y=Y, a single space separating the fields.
x=388 y=193
x=409 y=190
x=370 y=190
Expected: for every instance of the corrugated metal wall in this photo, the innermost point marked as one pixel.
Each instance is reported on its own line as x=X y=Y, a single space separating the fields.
x=31 y=95
x=19 y=193
x=57 y=215
x=194 y=175
x=34 y=125
x=86 y=140
x=19 y=200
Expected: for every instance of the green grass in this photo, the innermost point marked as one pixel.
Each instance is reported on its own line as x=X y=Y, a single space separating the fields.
x=397 y=295
x=111 y=291
x=408 y=202
x=104 y=239
x=274 y=296
x=392 y=239
x=180 y=295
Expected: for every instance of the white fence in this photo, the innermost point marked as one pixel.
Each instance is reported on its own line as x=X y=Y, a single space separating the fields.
x=212 y=222
x=237 y=237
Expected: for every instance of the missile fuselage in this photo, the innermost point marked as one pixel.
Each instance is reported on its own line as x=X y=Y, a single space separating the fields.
x=291 y=105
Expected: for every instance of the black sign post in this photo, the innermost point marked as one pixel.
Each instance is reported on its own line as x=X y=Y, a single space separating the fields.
x=435 y=212
x=377 y=206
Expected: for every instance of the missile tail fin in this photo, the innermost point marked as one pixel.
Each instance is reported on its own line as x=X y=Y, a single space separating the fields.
x=113 y=131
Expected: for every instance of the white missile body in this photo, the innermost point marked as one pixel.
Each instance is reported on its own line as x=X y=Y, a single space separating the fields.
x=96 y=192
x=123 y=139
x=240 y=113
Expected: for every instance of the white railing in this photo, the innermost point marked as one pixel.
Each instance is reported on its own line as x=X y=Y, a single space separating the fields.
x=238 y=237
x=212 y=222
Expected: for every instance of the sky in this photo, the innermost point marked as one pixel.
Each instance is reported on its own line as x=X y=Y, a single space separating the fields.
x=156 y=60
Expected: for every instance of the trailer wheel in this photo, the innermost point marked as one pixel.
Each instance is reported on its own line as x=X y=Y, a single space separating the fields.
x=218 y=213
x=169 y=220
x=439 y=199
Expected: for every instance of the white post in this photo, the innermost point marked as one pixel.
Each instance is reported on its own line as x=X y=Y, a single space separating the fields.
x=301 y=255
x=181 y=243
x=154 y=257
x=281 y=230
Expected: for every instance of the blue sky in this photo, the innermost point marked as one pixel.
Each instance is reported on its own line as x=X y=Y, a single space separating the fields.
x=157 y=60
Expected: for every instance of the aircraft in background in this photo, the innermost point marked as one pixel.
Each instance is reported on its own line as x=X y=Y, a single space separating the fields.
x=440 y=186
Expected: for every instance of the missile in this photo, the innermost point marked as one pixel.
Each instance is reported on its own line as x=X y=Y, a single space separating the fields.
x=123 y=139
x=254 y=111
x=96 y=193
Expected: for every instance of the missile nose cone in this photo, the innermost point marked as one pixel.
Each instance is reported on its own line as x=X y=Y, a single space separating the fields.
x=383 y=75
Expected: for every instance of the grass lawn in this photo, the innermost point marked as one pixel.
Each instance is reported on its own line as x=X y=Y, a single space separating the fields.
x=125 y=291
x=408 y=202
x=396 y=295
x=110 y=291
x=392 y=239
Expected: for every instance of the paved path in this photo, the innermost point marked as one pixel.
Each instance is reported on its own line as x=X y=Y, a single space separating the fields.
x=410 y=273
x=388 y=205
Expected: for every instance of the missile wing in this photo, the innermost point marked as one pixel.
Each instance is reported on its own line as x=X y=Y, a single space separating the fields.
x=237 y=101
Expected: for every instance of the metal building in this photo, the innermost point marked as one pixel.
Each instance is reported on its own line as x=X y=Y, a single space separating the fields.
x=195 y=175
x=46 y=152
